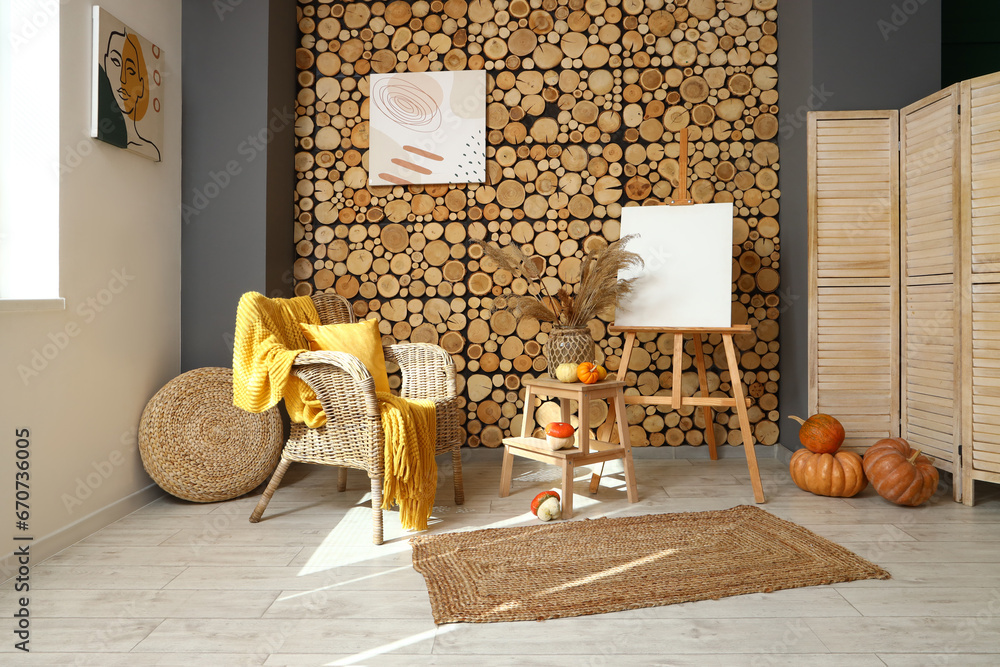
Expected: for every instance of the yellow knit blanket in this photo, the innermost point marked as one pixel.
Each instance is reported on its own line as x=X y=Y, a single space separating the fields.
x=410 y=478
x=268 y=338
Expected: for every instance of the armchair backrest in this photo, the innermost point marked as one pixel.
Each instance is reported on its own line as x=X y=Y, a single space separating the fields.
x=333 y=309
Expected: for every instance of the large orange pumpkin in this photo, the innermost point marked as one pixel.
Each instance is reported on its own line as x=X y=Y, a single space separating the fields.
x=820 y=433
x=839 y=475
x=899 y=473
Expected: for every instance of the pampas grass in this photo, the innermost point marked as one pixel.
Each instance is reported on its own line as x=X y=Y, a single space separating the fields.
x=597 y=289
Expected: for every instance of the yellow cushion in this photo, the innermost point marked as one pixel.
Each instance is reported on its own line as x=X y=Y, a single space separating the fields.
x=361 y=339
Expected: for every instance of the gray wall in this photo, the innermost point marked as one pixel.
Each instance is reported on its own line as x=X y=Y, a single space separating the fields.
x=238 y=172
x=836 y=55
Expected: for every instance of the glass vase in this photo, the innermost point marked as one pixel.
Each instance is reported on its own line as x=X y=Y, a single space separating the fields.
x=568 y=345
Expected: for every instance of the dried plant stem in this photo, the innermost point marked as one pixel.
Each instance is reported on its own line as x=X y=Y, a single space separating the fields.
x=598 y=287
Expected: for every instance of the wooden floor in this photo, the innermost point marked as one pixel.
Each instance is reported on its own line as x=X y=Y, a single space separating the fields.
x=186 y=584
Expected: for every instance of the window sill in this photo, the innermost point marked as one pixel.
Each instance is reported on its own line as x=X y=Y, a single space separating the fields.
x=31 y=305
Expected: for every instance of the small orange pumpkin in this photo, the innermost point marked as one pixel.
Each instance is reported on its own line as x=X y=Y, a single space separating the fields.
x=559 y=435
x=560 y=430
x=587 y=373
x=899 y=473
x=820 y=433
x=840 y=475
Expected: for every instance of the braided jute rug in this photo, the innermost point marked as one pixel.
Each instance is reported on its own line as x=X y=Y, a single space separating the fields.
x=596 y=566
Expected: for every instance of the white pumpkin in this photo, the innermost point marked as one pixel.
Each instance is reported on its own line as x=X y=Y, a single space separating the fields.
x=555 y=443
x=549 y=509
x=566 y=373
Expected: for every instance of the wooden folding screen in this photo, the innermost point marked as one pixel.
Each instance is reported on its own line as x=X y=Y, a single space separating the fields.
x=930 y=181
x=980 y=326
x=905 y=302
x=854 y=277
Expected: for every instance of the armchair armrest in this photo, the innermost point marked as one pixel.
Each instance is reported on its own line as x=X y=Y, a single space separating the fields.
x=342 y=384
x=427 y=371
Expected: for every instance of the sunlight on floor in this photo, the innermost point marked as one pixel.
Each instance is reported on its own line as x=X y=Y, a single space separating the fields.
x=396 y=645
x=346 y=582
x=349 y=543
x=610 y=572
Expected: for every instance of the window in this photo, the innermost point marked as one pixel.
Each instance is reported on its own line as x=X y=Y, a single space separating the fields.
x=29 y=154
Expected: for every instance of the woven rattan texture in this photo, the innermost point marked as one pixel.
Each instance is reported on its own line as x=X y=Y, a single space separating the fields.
x=603 y=565
x=198 y=446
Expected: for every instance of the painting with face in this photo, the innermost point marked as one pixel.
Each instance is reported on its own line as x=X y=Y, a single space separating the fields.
x=127 y=94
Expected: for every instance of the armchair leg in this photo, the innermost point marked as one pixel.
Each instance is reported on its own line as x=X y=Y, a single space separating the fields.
x=456 y=465
x=342 y=479
x=272 y=486
x=377 y=510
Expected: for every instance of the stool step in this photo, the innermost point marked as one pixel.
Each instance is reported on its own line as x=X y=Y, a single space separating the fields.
x=538 y=446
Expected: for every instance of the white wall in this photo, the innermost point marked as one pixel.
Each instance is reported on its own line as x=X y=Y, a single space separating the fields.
x=118 y=340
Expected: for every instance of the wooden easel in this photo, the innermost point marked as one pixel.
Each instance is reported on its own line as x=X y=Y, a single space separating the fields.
x=675 y=400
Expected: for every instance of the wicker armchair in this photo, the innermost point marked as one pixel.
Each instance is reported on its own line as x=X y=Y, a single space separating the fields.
x=352 y=436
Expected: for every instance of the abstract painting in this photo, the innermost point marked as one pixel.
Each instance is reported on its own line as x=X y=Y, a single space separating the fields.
x=127 y=99
x=427 y=128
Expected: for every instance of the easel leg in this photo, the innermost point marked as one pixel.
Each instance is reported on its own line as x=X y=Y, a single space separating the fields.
x=736 y=381
x=678 y=372
x=595 y=480
x=605 y=430
x=706 y=410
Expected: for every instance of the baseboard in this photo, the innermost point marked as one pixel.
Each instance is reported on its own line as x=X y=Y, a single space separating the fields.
x=783 y=454
x=53 y=543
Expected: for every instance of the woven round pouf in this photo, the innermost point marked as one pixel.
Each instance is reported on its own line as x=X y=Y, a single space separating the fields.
x=198 y=446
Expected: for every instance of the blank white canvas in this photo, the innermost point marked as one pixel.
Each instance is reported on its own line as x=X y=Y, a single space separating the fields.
x=687 y=278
